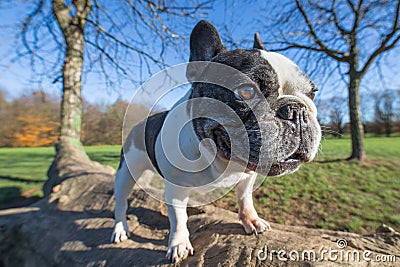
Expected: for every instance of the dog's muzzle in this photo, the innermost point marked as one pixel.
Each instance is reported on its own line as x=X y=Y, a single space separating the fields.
x=295 y=116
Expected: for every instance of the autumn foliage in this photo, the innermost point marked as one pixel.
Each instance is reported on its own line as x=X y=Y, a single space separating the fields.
x=29 y=121
x=36 y=131
x=32 y=120
x=102 y=124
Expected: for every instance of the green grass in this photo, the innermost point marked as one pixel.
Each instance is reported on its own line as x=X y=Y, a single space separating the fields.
x=106 y=155
x=328 y=193
x=23 y=171
x=377 y=149
x=333 y=193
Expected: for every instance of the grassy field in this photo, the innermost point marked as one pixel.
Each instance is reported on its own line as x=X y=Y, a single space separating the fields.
x=328 y=193
x=23 y=170
x=333 y=193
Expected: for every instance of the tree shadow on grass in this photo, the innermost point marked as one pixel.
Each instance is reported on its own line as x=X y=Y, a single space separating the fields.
x=329 y=160
x=19 y=179
x=10 y=197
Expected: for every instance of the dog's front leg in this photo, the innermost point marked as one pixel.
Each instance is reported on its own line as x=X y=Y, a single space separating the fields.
x=179 y=245
x=247 y=214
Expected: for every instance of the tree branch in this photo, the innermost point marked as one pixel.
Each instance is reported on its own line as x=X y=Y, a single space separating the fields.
x=333 y=13
x=61 y=12
x=291 y=45
x=337 y=55
x=387 y=43
x=126 y=45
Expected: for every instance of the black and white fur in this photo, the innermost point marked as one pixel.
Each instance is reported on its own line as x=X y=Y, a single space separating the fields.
x=293 y=126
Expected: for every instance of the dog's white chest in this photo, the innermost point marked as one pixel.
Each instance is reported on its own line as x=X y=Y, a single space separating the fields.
x=185 y=161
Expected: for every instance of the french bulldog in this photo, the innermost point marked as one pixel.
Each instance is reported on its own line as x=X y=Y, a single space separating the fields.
x=259 y=120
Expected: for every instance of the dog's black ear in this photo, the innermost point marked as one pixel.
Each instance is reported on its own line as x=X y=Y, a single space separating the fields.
x=258 y=43
x=205 y=42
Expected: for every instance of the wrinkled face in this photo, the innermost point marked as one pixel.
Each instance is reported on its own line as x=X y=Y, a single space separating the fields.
x=274 y=104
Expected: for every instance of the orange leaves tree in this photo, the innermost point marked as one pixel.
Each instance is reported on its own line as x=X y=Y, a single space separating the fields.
x=36 y=131
x=29 y=120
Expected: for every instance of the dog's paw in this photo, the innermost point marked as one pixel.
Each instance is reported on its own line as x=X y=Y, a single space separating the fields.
x=255 y=225
x=120 y=232
x=179 y=247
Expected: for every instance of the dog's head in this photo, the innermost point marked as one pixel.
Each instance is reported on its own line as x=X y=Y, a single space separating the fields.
x=272 y=97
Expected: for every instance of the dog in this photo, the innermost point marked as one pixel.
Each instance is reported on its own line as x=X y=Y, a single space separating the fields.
x=259 y=120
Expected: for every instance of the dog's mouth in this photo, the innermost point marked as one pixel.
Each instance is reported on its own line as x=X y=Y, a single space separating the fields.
x=287 y=165
x=224 y=150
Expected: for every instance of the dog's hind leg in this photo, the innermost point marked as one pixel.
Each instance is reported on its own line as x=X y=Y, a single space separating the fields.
x=123 y=185
x=132 y=165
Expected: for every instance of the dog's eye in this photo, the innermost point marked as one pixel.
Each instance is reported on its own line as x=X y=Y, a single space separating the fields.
x=245 y=93
x=311 y=95
x=314 y=89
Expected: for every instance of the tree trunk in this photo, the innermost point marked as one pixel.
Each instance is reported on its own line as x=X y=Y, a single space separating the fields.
x=70 y=156
x=388 y=124
x=71 y=106
x=388 y=130
x=72 y=27
x=356 y=126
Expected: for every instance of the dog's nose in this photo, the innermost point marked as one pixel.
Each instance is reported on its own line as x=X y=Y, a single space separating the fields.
x=295 y=112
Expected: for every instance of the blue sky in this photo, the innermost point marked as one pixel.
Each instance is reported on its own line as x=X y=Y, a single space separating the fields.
x=16 y=77
x=242 y=20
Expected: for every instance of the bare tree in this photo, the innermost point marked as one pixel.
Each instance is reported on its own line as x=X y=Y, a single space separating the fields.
x=346 y=37
x=332 y=115
x=337 y=115
x=384 y=111
x=109 y=38
x=366 y=103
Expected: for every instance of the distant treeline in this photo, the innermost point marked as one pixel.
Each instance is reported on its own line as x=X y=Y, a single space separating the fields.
x=380 y=114
x=33 y=120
